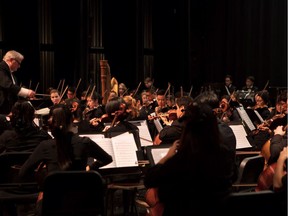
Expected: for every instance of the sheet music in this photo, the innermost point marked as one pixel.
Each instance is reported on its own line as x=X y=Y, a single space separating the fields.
x=244 y=116
x=145 y=137
x=158 y=154
x=157 y=123
x=122 y=148
x=241 y=136
x=259 y=116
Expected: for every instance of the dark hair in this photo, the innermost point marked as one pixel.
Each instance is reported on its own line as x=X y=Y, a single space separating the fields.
x=23 y=114
x=71 y=89
x=60 y=128
x=161 y=92
x=199 y=119
x=116 y=104
x=264 y=94
x=252 y=78
x=282 y=96
x=95 y=96
x=184 y=101
x=207 y=97
x=229 y=76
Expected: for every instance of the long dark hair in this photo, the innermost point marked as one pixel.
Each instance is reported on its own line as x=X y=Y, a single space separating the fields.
x=201 y=133
x=60 y=129
x=22 y=116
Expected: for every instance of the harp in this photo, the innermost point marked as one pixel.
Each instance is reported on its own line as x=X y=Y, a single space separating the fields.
x=105 y=80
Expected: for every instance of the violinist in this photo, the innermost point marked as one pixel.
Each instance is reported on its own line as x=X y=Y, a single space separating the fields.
x=227 y=110
x=145 y=109
x=281 y=105
x=134 y=113
x=55 y=96
x=264 y=131
x=116 y=109
x=93 y=112
x=262 y=104
x=173 y=132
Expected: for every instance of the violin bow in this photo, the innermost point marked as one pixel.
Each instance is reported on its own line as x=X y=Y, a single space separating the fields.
x=137 y=89
x=30 y=84
x=169 y=85
x=36 y=87
x=77 y=87
x=87 y=91
x=181 y=91
x=125 y=91
x=63 y=93
x=190 y=92
x=62 y=86
x=59 y=85
x=92 y=91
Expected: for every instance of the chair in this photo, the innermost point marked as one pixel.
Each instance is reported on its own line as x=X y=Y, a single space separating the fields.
x=12 y=191
x=249 y=171
x=254 y=203
x=73 y=193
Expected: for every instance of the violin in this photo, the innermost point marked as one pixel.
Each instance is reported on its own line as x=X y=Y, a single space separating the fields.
x=275 y=121
x=104 y=119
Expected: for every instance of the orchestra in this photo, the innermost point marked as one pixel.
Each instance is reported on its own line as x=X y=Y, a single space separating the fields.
x=90 y=116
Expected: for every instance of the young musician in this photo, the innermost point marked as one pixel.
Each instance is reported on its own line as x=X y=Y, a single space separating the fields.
x=67 y=151
x=196 y=169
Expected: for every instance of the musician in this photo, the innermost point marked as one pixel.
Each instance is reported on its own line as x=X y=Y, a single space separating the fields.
x=277 y=143
x=161 y=102
x=24 y=135
x=280 y=176
x=9 y=89
x=93 y=112
x=149 y=84
x=172 y=132
x=122 y=90
x=170 y=101
x=145 y=109
x=250 y=88
x=132 y=109
x=228 y=138
x=227 y=110
x=281 y=104
x=73 y=103
x=196 y=169
x=55 y=96
x=67 y=151
x=116 y=109
x=264 y=130
x=262 y=104
x=228 y=87
x=249 y=84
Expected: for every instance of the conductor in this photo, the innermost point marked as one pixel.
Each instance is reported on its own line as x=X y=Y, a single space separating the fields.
x=9 y=89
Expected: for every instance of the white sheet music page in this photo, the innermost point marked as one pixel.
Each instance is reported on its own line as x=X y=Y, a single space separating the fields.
x=158 y=154
x=125 y=148
x=240 y=134
x=145 y=137
x=244 y=116
x=122 y=148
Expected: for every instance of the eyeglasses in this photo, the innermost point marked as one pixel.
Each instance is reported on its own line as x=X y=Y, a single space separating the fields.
x=19 y=63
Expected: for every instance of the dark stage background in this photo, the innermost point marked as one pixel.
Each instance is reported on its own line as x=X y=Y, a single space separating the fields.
x=187 y=43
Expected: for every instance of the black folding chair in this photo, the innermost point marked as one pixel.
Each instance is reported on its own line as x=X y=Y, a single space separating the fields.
x=249 y=171
x=14 y=192
x=73 y=193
